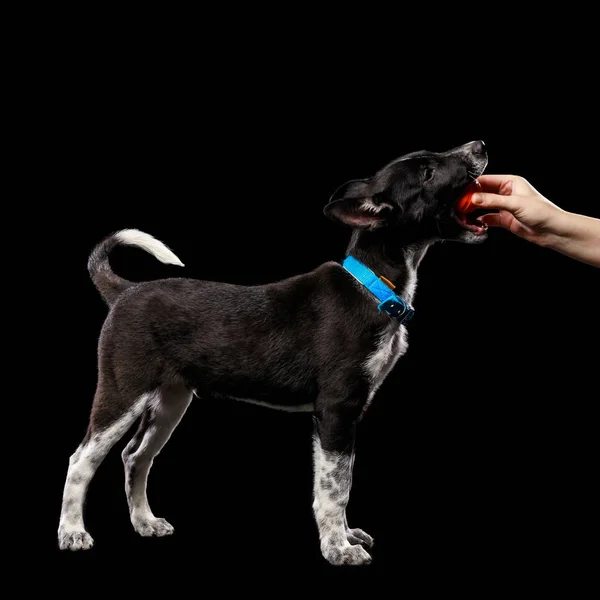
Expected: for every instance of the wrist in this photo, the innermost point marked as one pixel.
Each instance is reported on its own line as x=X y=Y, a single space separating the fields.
x=556 y=230
x=566 y=227
x=577 y=236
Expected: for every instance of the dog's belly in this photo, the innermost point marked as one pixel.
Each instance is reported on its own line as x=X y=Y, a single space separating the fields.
x=264 y=395
x=295 y=408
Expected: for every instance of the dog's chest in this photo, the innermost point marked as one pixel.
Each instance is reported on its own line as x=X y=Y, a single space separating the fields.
x=390 y=346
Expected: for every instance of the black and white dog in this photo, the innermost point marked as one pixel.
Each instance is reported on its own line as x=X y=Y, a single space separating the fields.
x=321 y=342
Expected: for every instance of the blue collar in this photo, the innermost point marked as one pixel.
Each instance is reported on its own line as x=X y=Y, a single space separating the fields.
x=389 y=302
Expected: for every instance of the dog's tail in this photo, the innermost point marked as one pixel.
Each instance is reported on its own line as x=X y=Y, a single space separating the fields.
x=106 y=281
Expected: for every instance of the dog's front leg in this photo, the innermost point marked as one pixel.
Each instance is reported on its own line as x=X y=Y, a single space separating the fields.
x=333 y=455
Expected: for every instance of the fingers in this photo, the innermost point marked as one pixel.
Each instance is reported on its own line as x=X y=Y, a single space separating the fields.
x=492 y=220
x=498 y=184
x=495 y=201
x=501 y=219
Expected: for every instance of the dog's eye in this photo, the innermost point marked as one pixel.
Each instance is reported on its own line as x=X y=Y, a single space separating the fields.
x=429 y=172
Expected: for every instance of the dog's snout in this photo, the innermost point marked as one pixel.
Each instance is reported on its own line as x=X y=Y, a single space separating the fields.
x=474 y=154
x=477 y=147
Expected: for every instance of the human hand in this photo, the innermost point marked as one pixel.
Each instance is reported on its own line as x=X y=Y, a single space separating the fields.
x=526 y=213
x=521 y=208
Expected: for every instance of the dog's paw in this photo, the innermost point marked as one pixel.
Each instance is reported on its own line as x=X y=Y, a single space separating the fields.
x=74 y=540
x=153 y=527
x=358 y=536
x=346 y=555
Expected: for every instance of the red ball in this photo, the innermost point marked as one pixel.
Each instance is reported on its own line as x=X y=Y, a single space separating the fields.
x=464 y=202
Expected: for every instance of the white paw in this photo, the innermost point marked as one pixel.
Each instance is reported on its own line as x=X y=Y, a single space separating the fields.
x=74 y=540
x=358 y=536
x=345 y=554
x=153 y=527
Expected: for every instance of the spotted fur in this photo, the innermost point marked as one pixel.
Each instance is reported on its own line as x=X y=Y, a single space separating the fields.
x=332 y=482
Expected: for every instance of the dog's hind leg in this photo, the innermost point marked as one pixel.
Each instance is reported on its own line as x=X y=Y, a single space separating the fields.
x=159 y=420
x=110 y=419
x=333 y=456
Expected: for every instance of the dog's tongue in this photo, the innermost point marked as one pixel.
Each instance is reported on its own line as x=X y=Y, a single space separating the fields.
x=464 y=205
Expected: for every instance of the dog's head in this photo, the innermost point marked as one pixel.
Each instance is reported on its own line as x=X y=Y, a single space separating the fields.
x=415 y=196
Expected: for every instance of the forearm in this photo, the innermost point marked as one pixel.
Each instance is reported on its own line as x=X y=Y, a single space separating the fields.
x=576 y=236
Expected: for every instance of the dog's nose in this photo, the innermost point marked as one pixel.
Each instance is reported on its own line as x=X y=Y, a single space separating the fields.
x=477 y=147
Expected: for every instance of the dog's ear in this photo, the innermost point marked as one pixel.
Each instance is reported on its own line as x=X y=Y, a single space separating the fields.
x=354 y=204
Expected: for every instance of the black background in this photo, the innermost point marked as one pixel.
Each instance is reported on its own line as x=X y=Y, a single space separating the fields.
x=475 y=459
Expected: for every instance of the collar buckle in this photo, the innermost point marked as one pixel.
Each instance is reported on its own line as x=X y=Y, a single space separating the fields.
x=397 y=309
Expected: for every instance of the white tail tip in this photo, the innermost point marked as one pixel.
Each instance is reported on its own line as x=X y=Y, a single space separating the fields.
x=135 y=237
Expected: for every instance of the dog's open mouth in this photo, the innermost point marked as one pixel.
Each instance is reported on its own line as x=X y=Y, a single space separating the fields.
x=468 y=215
x=470 y=221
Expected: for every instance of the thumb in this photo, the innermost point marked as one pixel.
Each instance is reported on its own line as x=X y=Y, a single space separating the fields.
x=495 y=201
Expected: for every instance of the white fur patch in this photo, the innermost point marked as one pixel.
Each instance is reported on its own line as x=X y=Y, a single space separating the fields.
x=135 y=237
x=82 y=466
x=410 y=286
x=392 y=344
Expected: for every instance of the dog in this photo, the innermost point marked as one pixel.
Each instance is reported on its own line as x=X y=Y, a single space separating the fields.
x=320 y=342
